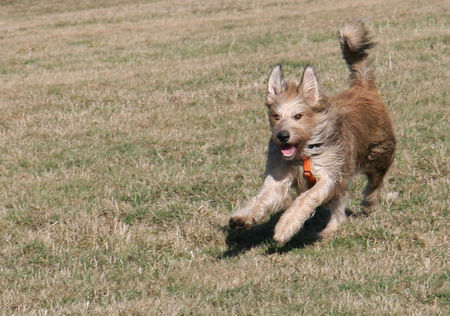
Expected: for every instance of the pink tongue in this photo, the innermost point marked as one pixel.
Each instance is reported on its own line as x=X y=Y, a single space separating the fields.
x=287 y=152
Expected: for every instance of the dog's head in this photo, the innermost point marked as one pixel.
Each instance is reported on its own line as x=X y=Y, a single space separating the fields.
x=292 y=110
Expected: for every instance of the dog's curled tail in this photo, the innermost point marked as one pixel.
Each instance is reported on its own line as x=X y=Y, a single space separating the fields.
x=355 y=41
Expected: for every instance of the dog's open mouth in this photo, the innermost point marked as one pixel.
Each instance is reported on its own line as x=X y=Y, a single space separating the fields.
x=288 y=151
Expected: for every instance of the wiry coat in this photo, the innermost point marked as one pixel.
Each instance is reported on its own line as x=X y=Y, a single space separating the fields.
x=341 y=135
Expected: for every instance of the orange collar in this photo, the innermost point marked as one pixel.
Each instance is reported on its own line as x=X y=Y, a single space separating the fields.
x=307 y=170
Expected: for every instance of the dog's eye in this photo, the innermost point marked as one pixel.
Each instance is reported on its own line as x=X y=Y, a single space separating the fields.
x=276 y=117
x=297 y=116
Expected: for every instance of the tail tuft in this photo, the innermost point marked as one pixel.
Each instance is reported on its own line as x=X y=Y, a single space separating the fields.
x=355 y=41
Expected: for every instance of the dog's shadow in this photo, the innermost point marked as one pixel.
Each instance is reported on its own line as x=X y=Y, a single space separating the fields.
x=240 y=241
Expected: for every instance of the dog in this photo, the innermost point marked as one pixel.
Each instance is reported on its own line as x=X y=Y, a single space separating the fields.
x=319 y=143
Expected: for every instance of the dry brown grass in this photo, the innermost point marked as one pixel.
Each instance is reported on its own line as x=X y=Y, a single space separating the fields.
x=130 y=130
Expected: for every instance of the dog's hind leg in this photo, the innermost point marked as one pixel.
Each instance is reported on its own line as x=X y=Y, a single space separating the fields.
x=371 y=192
x=380 y=158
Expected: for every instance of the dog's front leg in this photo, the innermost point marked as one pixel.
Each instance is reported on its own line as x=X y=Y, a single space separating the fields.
x=302 y=208
x=274 y=195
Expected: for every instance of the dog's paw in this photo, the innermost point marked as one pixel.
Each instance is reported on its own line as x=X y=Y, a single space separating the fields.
x=283 y=232
x=288 y=225
x=239 y=222
x=282 y=236
x=242 y=218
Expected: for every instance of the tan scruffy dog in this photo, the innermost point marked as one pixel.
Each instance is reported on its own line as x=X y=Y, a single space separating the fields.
x=319 y=143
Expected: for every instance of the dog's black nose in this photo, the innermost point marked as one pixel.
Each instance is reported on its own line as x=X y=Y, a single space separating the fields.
x=283 y=136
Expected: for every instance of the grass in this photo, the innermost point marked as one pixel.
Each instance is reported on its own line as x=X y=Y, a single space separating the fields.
x=129 y=130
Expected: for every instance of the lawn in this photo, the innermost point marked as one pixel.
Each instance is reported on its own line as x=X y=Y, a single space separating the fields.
x=130 y=130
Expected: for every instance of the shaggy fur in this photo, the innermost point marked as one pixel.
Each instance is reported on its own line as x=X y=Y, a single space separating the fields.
x=342 y=135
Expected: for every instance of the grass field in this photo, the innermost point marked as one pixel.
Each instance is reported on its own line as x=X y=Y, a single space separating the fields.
x=129 y=130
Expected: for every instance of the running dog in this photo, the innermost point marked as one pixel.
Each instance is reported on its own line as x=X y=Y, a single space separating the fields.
x=319 y=143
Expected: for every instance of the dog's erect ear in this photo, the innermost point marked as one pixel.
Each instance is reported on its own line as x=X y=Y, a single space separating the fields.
x=276 y=82
x=309 y=87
